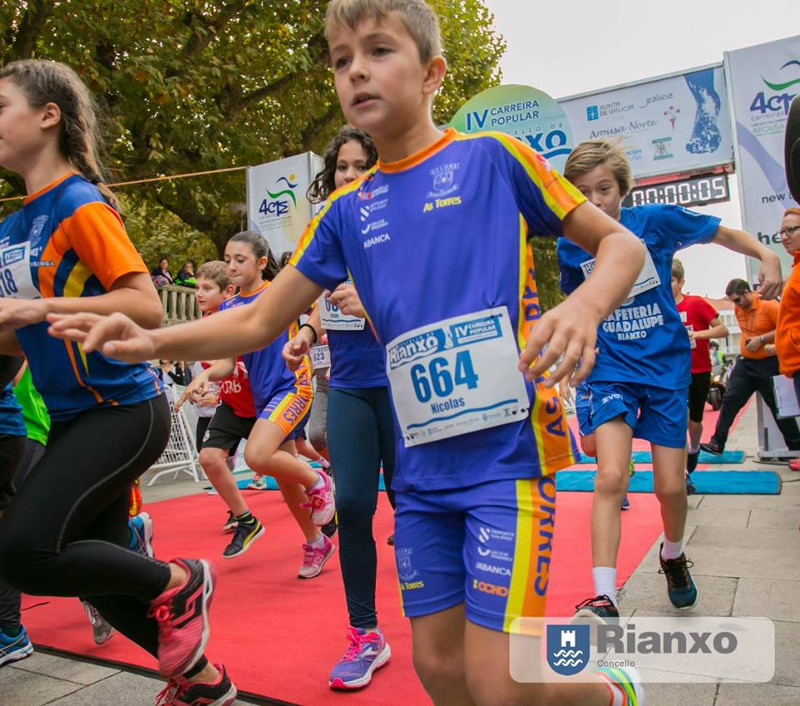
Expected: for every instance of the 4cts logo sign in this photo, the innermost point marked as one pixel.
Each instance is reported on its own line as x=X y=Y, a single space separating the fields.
x=780 y=101
x=277 y=204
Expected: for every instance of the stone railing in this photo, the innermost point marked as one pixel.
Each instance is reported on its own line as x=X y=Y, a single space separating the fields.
x=179 y=304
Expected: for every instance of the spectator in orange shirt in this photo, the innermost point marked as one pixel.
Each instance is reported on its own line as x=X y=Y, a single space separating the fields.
x=755 y=368
x=787 y=339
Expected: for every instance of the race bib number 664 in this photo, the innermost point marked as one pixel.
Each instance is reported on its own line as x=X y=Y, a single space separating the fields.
x=456 y=376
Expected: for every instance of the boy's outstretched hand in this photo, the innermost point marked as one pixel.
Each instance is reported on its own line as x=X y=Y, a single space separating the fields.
x=770 y=277
x=295 y=349
x=115 y=336
x=568 y=330
x=346 y=298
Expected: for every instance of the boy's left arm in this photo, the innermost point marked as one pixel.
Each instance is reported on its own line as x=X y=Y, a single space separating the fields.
x=769 y=274
x=570 y=329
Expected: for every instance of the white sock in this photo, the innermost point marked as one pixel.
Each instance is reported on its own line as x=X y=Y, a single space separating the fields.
x=320 y=480
x=605 y=582
x=671 y=550
x=319 y=542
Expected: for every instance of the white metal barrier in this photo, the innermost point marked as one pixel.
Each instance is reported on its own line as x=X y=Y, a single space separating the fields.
x=180 y=455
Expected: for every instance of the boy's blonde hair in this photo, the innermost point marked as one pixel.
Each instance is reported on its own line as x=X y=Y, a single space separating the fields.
x=594 y=153
x=216 y=271
x=418 y=17
x=677 y=269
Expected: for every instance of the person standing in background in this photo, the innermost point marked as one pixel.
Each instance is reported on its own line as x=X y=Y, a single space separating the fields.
x=755 y=368
x=787 y=333
x=702 y=324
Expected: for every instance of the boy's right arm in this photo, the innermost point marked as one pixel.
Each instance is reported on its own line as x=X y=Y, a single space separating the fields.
x=228 y=333
x=570 y=329
x=300 y=344
x=219 y=370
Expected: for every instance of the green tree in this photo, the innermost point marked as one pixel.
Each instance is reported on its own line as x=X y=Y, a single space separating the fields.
x=190 y=85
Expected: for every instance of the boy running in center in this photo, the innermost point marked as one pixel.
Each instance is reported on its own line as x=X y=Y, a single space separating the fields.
x=448 y=217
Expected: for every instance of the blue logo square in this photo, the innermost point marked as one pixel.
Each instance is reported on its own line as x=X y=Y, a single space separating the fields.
x=568 y=648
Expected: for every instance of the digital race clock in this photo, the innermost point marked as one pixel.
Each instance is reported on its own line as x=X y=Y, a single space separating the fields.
x=692 y=191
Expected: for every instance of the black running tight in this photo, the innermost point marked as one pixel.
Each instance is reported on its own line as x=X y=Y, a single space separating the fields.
x=360 y=437
x=66 y=532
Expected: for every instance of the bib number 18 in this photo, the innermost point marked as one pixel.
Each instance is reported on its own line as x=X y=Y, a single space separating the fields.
x=8 y=287
x=436 y=378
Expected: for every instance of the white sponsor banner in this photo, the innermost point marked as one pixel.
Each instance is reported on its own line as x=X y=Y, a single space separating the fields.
x=677 y=649
x=277 y=206
x=763 y=80
x=667 y=125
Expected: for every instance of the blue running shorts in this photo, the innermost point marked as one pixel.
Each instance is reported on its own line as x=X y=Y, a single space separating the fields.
x=655 y=414
x=488 y=546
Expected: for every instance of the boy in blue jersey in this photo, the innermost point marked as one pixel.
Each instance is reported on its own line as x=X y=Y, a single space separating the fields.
x=451 y=212
x=641 y=377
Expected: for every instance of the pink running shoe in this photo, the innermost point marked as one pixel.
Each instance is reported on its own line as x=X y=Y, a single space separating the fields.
x=320 y=500
x=314 y=559
x=181 y=692
x=182 y=616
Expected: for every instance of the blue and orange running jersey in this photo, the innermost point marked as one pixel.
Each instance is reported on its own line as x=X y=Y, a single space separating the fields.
x=266 y=368
x=66 y=241
x=441 y=234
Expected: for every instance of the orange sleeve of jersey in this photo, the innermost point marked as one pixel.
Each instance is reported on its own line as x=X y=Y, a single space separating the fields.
x=96 y=233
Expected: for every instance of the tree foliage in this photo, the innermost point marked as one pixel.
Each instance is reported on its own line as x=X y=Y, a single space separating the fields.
x=192 y=85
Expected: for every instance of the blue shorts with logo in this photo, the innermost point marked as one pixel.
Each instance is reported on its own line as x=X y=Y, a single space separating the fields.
x=582 y=397
x=288 y=409
x=488 y=546
x=655 y=414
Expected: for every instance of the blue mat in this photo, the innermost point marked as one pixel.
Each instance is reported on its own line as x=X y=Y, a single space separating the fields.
x=647 y=457
x=705 y=482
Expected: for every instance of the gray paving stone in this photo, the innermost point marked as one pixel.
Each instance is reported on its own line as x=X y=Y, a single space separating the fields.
x=749 y=694
x=680 y=694
x=787 y=499
x=22 y=688
x=775 y=519
x=787 y=654
x=746 y=538
x=695 y=501
x=711 y=517
x=730 y=560
x=773 y=599
x=64 y=668
x=123 y=689
x=647 y=592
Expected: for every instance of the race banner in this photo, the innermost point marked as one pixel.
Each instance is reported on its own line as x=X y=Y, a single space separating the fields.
x=277 y=206
x=667 y=125
x=526 y=113
x=763 y=81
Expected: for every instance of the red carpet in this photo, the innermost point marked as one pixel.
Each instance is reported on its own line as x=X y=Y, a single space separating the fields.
x=279 y=636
